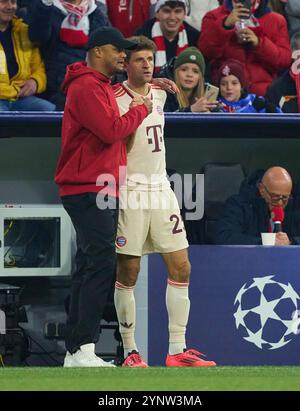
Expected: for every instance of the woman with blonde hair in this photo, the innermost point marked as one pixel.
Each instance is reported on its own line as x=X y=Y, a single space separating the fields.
x=188 y=71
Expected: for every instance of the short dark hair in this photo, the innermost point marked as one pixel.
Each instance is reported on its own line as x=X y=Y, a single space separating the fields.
x=143 y=43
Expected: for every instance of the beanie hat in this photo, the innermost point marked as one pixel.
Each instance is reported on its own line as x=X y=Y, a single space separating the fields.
x=191 y=55
x=160 y=3
x=227 y=68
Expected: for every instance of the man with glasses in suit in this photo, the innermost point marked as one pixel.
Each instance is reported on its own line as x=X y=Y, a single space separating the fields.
x=248 y=214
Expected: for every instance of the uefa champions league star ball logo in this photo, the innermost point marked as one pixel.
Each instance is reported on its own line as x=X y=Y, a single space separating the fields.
x=267 y=313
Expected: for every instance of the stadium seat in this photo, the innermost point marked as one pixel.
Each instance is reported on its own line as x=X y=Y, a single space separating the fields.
x=221 y=180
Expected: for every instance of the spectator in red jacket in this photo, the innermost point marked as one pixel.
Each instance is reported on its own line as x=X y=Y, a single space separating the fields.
x=128 y=15
x=257 y=38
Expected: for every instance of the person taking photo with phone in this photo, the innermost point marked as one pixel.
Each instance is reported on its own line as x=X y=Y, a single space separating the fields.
x=255 y=36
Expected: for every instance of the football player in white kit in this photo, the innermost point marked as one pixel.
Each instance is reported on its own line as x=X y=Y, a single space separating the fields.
x=149 y=218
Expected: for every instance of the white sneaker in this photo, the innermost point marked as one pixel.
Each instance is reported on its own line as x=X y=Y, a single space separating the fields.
x=86 y=357
x=68 y=360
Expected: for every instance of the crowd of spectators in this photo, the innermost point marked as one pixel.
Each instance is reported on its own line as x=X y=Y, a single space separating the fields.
x=40 y=38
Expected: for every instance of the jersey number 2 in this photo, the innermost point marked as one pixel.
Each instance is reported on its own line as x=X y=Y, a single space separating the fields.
x=176 y=230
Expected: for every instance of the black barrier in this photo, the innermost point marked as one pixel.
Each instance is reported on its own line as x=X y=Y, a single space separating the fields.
x=178 y=125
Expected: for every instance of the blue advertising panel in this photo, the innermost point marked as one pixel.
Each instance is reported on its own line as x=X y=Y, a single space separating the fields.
x=244 y=305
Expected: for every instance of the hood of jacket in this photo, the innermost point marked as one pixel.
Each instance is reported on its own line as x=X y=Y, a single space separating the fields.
x=80 y=69
x=261 y=10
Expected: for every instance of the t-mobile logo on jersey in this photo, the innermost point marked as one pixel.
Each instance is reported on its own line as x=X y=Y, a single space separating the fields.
x=154 y=134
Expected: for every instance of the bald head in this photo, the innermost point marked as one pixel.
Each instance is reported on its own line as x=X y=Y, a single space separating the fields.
x=276 y=182
x=277 y=177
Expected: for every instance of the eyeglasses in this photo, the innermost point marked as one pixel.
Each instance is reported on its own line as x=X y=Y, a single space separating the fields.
x=277 y=197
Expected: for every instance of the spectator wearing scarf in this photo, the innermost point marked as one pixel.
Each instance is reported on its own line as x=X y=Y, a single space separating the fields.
x=61 y=29
x=229 y=76
x=169 y=42
x=75 y=26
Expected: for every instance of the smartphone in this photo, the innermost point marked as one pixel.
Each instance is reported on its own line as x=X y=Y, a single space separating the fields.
x=246 y=3
x=211 y=92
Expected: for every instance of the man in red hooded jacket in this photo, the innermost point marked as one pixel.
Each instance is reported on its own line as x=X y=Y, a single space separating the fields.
x=257 y=37
x=93 y=148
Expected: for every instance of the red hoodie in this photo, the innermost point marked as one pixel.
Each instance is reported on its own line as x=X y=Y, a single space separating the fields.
x=93 y=133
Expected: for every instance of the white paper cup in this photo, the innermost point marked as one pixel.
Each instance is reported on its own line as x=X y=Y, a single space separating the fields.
x=268 y=238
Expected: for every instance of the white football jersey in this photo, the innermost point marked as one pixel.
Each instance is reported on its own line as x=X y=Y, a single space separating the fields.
x=146 y=162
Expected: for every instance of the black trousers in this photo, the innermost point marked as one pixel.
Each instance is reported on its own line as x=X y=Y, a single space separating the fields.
x=95 y=267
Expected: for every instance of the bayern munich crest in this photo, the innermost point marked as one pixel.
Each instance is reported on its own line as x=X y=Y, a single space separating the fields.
x=121 y=241
x=160 y=110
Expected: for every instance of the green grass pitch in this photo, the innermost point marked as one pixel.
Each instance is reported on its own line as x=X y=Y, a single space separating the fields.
x=264 y=378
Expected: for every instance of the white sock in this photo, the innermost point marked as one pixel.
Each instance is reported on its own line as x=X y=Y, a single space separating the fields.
x=125 y=307
x=178 y=307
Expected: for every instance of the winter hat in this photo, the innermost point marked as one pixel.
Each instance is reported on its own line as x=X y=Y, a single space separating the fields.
x=227 y=68
x=160 y=3
x=190 y=55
